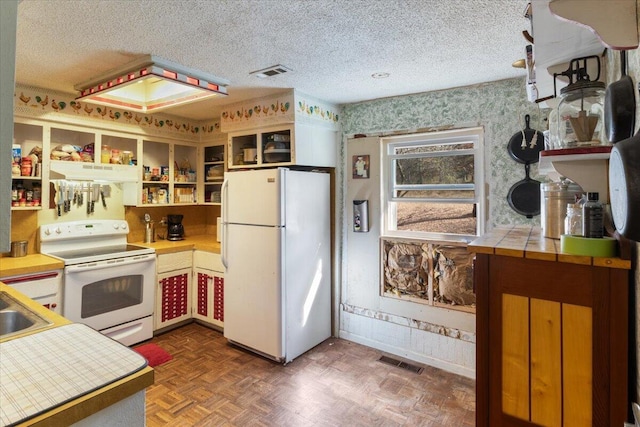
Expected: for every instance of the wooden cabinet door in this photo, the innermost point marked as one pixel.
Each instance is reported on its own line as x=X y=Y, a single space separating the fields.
x=208 y=296
x=173 y=298
x=551 y=343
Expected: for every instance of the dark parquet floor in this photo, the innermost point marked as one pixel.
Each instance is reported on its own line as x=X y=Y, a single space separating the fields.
x=338 y=383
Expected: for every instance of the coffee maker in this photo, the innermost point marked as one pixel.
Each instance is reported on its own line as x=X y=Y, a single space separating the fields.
x=175 y=230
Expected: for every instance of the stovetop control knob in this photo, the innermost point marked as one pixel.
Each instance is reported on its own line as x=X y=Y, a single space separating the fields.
x=123 y=225
x=116 y=225
x=47 y=231
x=58 y=230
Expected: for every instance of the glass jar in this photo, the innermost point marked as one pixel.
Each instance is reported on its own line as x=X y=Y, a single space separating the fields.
x=105 y=154
x=581 y=115
x=115 y=157
x=25 y=166
x=573 y=220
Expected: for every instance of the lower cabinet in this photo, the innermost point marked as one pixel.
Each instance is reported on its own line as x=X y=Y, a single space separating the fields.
x=208 y=288
x=551 y=343
x=173 y=295
x=42 y=287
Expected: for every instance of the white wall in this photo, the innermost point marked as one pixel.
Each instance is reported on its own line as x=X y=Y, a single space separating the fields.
x=434 y=336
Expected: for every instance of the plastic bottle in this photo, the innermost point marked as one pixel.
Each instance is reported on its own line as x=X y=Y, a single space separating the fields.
x=592 y=217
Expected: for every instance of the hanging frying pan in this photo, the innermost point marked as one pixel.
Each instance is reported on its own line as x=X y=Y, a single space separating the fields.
x=620 y=105
x=524 y=195
x=525 y=146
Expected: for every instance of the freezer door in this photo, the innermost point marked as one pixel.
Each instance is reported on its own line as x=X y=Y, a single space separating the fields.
x=253 y=298
x=254 y=197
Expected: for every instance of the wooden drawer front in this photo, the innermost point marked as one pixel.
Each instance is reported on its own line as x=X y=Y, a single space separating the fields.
x=175 y=296
x=174 y=261
x=547 y=367
x=208 y=261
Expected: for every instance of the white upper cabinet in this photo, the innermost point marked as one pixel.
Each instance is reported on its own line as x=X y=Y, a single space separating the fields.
x=613 y=21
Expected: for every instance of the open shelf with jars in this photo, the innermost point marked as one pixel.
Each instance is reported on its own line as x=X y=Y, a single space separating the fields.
x=213 y=172
x=168 y=174
x=27 y=166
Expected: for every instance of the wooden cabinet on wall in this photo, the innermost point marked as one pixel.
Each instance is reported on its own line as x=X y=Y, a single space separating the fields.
x=208 y=288
x=552 y=334
x=173 y=295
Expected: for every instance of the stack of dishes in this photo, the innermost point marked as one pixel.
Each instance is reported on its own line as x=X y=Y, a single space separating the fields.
x=276 y=152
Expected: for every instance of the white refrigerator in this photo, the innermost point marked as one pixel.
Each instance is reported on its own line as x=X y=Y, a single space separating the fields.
x=277 y=257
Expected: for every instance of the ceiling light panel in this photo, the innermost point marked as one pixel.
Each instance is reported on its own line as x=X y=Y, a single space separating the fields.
x=151 y=84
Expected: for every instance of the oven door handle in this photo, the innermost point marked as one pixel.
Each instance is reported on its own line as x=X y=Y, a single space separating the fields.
x=118 y=262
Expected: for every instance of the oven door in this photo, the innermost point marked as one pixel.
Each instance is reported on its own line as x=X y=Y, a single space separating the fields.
x=104 y=294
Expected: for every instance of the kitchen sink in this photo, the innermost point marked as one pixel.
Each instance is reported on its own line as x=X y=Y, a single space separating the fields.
x=17 y=318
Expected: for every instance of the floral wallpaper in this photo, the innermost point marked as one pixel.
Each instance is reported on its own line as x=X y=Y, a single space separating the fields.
x=499 y=107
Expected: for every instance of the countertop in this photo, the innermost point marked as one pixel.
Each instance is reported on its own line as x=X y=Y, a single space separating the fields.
x=201 y=242
x=30 y=264
x=527 y=242
x=37 y=263
x=89 y=403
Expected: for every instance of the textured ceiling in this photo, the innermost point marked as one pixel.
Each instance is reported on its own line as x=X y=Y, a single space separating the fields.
x=332 y=46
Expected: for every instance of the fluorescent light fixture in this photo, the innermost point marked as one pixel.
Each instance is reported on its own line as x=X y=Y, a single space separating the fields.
x=150 y=84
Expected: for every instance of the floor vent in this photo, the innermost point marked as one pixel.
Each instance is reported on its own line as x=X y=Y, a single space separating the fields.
x=400 y=364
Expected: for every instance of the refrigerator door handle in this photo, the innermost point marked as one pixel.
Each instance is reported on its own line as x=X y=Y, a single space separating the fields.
x=223 y=234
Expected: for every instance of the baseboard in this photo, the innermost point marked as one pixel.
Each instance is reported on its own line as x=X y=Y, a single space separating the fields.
x=402 y=352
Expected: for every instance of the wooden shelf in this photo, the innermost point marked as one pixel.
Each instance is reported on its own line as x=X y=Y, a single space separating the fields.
x=587 y=166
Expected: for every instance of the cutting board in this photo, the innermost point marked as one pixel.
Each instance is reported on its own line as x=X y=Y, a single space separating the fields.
x=41 y=371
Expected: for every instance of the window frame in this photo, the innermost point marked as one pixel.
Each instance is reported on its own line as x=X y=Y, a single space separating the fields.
x=474 y=135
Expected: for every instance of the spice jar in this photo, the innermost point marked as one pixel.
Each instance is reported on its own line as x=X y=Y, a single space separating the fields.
x=15 y=169
x=25 y=166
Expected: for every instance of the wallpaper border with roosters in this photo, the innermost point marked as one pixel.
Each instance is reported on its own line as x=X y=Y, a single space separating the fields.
x=47 y=104
x=286 y=107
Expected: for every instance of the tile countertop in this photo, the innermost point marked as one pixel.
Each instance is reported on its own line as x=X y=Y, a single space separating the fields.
x=81 y=407
x=202 y=242
x=527 y=242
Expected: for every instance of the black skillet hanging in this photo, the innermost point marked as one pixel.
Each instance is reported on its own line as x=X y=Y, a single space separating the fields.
x=524 y=147
x=524 y=195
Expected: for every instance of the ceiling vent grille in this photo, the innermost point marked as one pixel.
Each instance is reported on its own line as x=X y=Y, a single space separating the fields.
x=271 y=71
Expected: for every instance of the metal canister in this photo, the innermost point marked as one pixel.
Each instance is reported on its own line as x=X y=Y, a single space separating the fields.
x=19 y=248
x=553 y=205
x=150 y=232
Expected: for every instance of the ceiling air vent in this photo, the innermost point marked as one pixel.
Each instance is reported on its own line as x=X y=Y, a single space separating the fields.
x=271 y=71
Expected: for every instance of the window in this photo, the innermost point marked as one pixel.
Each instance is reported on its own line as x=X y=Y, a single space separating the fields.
x=432 y=185
x=433 y=203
